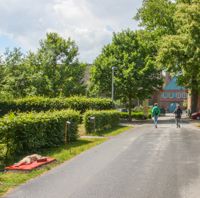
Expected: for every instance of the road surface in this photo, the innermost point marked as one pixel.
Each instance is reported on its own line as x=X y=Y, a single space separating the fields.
x=143 y=162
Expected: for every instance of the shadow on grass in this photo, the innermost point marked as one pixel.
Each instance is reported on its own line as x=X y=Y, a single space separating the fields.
x=69 y=147
x=64 y=152
x=110 y=132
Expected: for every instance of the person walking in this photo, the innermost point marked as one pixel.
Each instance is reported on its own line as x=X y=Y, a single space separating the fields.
x=178 y=113
x=155 y=113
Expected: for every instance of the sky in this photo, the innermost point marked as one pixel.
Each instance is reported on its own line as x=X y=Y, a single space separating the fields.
x=91 y=23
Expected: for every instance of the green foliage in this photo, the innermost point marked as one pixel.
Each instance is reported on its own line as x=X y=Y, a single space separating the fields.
x=157 y=16
x=4 y=96
x=135 y=74
x=176 y=27
x=7 y=106
x=16 y=75
x=134 y=115
x=29 y=132
x=54 y=70
x=58 y=60
x=44 y=104
x=180 y=52
x=103 y=120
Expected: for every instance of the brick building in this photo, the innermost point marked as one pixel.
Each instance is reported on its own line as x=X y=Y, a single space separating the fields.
x=170 y=95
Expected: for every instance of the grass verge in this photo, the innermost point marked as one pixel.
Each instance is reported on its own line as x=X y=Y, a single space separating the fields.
x=110 y=132
x=10 y=180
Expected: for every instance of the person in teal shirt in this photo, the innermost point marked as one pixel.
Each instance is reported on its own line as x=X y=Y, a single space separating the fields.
x=155 y=113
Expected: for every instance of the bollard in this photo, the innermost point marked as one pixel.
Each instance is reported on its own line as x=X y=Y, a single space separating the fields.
x=92 y=120
x=66 y=133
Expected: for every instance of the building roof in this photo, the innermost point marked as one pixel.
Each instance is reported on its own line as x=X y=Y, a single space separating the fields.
x=172 y=85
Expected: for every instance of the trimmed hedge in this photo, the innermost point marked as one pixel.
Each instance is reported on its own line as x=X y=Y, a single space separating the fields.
x=44 y=104
x=103 y=120
x=30 y=132
x=134 y=115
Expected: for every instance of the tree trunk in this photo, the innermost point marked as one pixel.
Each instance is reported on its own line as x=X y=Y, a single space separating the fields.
x=194 y=94
x=194 y=100
x=129 y=109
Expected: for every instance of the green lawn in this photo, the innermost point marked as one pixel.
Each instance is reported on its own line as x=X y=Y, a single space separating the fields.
x=10 y=180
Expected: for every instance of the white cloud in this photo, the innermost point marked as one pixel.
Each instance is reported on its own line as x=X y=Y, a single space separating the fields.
x=89 y=22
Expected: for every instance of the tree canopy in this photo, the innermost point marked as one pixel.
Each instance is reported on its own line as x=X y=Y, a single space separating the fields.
x=53 y=70
x=135 y=73
x=180 y=53
x=58 y=60
x=157 y=16
x=176 y=25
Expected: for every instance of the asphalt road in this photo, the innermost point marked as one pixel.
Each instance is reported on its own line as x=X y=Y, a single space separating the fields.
x=143 y=162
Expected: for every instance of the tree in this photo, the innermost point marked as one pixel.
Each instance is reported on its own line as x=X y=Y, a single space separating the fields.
x=4 y=95
x=15 y=74
x=180 y=53
x=40 y=84
x=157 y=16
x=57 y=59
x=20 y=77
x=135 y=75
x=54 y=70
x=2 y=68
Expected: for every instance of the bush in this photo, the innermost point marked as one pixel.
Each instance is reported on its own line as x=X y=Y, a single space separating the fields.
x=44 y=104
x=103 y=120
x=6 y=106
x=30 y=132
x=134 y=115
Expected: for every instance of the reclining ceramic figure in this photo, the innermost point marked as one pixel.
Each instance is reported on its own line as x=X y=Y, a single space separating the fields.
x=30 y=159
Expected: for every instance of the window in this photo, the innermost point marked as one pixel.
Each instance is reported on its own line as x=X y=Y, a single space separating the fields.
x=164 y=95
x=184 y=95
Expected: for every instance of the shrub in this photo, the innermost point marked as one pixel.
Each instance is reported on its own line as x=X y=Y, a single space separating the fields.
x=138 y=115
x=30 y=132
x=134 y=115
x=6 y=106
x=103 y=120
x=44 y=104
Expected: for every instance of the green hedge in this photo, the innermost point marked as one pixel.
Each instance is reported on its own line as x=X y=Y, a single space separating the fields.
x=44 y=104
x=30 y=132
x=103 y=120
x=134 y=115
x=6 y=107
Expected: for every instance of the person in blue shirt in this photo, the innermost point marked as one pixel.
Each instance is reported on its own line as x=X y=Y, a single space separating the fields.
x=155 y=113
